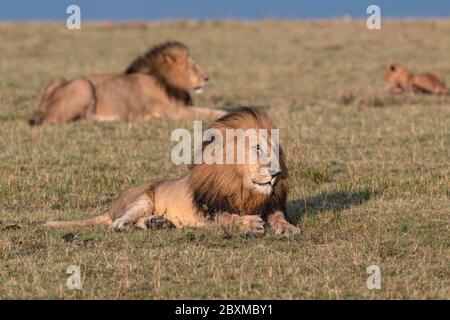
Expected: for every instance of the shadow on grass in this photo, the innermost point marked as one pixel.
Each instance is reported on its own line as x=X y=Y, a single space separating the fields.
x=327 y=201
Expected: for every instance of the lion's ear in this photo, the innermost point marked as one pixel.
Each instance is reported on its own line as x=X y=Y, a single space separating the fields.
x=169 y=58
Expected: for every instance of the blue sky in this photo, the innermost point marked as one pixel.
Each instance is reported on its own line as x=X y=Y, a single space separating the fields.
x=214 y=9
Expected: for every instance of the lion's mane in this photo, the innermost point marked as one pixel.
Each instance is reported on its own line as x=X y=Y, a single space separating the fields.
x=219 y=187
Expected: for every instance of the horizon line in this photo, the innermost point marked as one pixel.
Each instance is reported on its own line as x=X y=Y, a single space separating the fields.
x=260 y=19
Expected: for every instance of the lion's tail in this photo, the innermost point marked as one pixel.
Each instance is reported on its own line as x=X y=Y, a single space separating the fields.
x=36 y=120
x=100 y=219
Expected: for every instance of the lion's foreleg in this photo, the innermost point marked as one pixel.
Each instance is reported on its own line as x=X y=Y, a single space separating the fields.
x=278 y=223
x=247 y=224
x=142 y=223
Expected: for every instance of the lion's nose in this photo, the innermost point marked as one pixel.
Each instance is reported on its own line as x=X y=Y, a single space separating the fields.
x=274 y=172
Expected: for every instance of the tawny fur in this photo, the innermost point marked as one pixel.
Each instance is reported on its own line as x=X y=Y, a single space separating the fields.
x=155 y=85
x=210 y=194
x=405 y=80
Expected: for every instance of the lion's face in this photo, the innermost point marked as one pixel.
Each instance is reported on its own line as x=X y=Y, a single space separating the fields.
x=172 y=65
x=401 y=78
x=197 y=75
x=251 y=152
x=261 y=169
x=184 y=72
x=391 y=73
x=396 y=73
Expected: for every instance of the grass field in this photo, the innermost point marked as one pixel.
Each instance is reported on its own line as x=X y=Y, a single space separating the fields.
x=369 y=170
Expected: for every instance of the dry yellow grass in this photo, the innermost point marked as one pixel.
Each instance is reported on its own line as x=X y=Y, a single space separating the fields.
x=369 y=171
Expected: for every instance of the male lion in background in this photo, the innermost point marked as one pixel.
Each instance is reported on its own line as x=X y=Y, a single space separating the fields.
x=246 y=195
x=155 y=85
x=405 y=80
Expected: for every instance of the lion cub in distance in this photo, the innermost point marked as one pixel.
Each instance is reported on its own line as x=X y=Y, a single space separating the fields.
x=404 y=80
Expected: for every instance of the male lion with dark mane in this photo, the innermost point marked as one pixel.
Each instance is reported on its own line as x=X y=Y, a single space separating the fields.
x=248 y=195
x=155 y=85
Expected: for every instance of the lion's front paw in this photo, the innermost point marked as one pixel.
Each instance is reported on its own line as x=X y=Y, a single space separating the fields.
x=252 y=225
x=158 y=222
x=120 y=225
x=285 y=229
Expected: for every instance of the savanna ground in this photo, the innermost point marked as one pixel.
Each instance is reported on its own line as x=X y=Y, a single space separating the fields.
x=369 y=170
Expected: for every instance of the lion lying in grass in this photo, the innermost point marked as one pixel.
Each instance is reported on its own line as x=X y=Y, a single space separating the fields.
x=246 y=195
x=155 y=85
x=405 y=80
